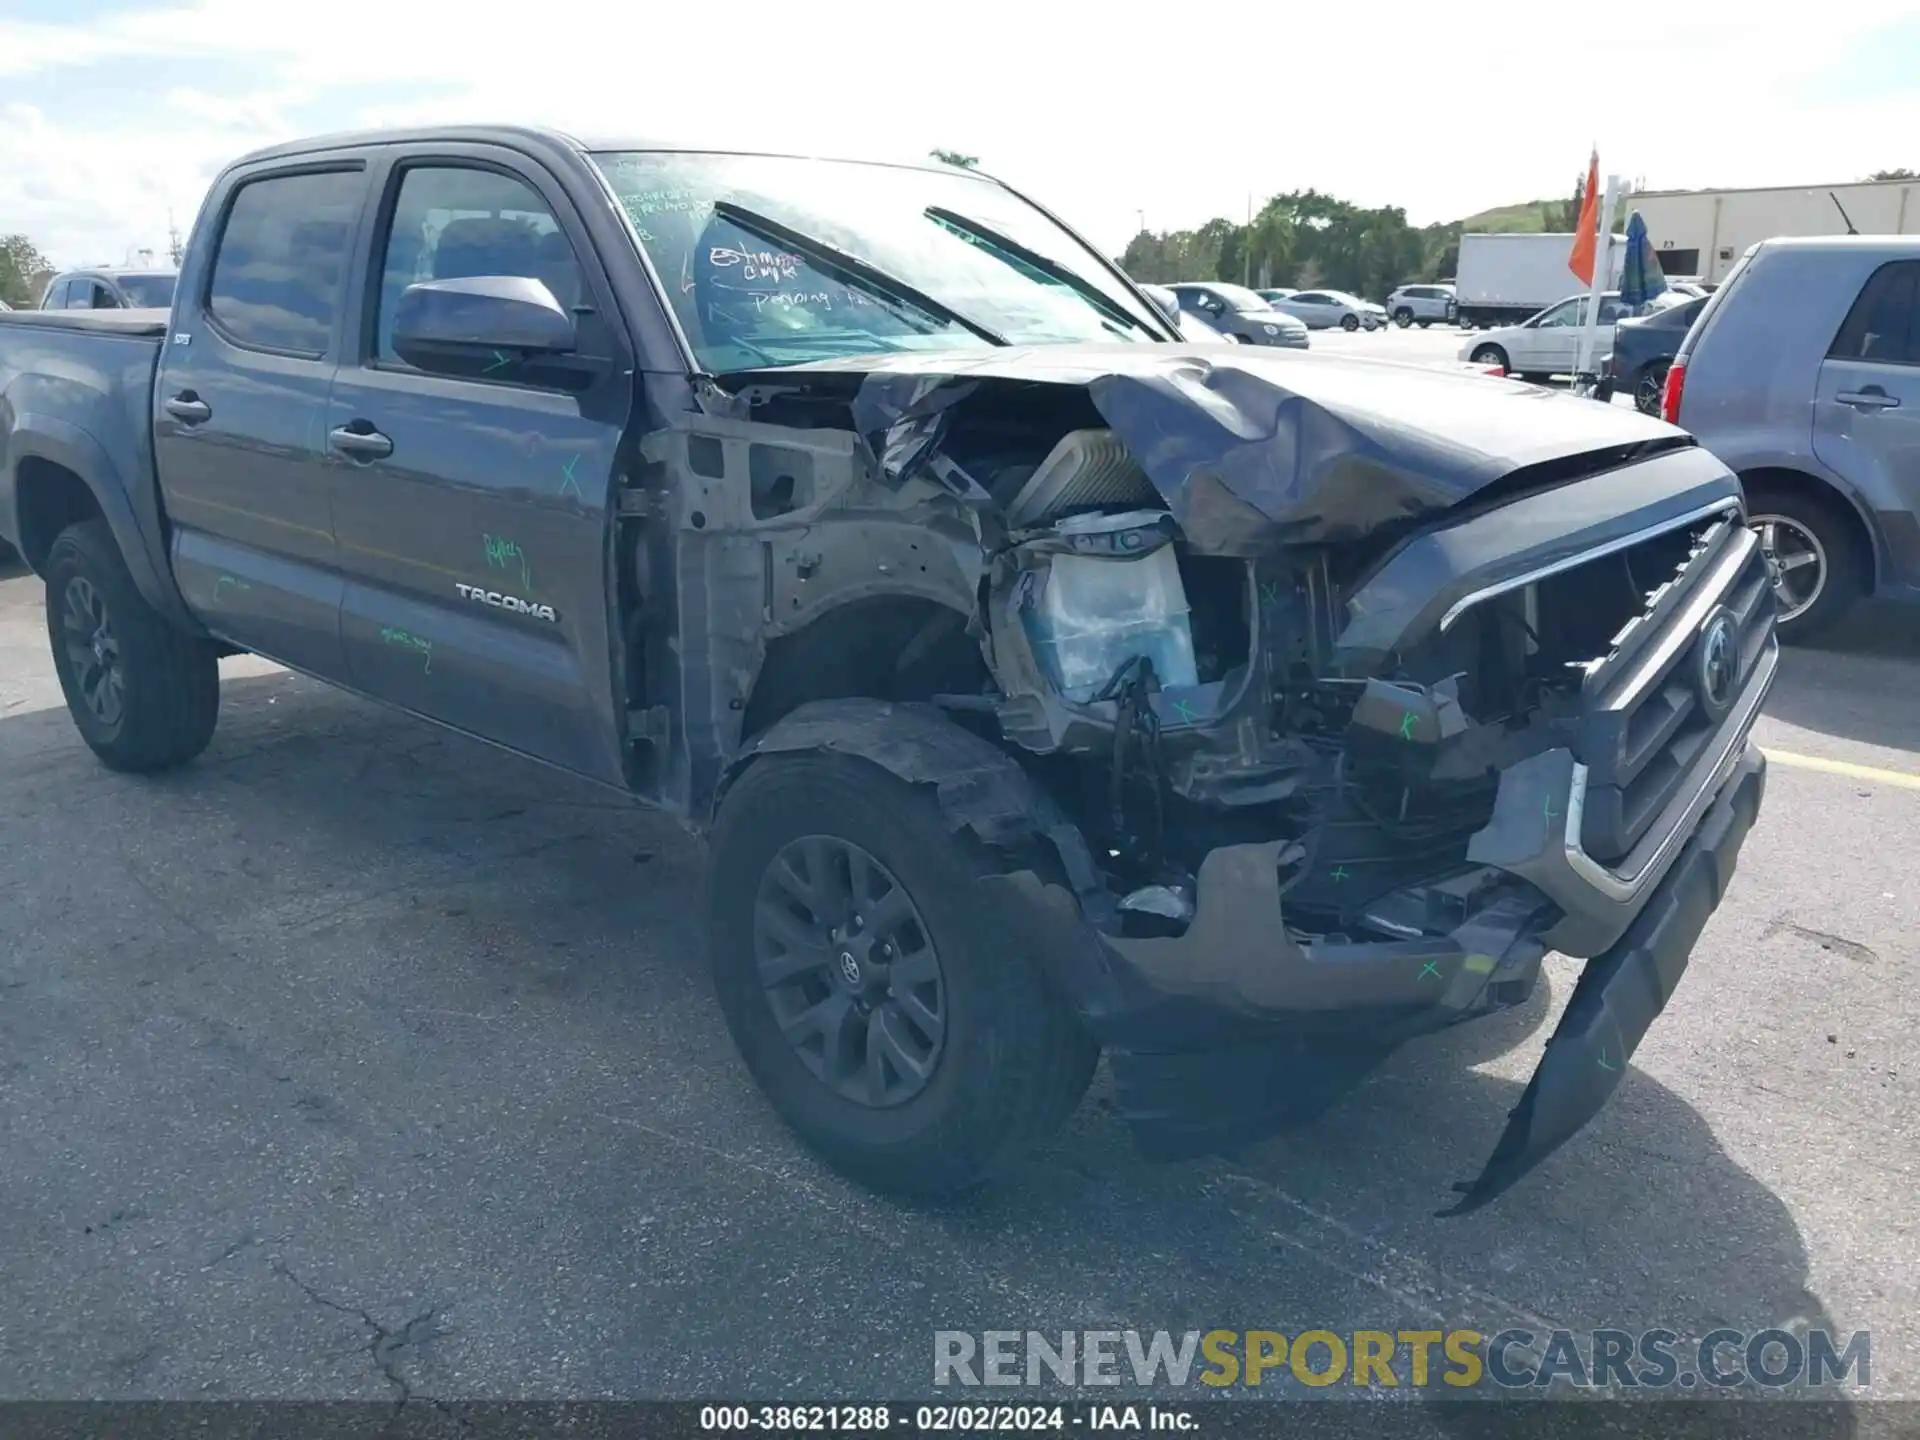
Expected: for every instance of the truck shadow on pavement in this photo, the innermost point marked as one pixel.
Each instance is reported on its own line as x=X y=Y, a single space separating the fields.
x=398 y=963
x=1847 y=685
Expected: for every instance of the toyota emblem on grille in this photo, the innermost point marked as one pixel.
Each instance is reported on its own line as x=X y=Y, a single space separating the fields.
x=1716 y=661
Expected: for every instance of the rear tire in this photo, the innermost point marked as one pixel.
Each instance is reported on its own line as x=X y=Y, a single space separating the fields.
x=1808 y=524
x=1349 y=323
x=1012 y=1059
x=143 y=695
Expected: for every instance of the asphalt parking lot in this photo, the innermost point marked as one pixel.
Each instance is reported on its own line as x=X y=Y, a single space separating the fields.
x=358 y=1060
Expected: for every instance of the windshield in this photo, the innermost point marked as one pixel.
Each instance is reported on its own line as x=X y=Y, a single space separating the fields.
x=1238 y=298
x=816 y=259
x=148 y=292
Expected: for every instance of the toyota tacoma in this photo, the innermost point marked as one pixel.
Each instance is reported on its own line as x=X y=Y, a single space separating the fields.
x=1042 y=685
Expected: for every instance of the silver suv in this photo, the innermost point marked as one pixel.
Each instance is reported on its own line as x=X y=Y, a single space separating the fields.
x=1421 y=305
x=1803 y=375
x=1238 y=312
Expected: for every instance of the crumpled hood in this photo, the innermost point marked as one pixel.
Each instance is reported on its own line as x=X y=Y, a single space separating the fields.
x=1254 y=448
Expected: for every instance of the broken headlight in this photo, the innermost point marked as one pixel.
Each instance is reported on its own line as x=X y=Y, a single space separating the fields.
x=1087 y=614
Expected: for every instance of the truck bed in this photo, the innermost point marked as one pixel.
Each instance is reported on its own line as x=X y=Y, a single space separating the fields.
x=114 y=322
x=76 y=392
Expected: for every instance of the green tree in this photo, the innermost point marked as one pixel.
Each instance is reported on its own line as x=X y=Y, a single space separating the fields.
x=1564 y=214
x=20 y=261
x=955 y=159
x=1894 y=175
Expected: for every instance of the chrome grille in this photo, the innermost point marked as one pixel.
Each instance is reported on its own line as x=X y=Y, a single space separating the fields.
x=1650 y=714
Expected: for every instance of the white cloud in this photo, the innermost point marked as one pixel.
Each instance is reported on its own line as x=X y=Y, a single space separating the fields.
x=1086 y=109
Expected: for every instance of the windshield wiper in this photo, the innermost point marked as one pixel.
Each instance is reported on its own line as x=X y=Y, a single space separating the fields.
x=1005 y=247
x=851 y=269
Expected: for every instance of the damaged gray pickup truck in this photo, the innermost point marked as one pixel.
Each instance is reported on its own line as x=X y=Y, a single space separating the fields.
x=1044 y=684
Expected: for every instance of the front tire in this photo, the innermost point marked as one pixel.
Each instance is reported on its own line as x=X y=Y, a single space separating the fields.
x=1403 y=317
x=1491 y=355
x=1818 y=561
x=902 y=1029
x=143 y=695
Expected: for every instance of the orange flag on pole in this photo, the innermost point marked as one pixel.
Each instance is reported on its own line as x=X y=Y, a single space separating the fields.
x=1586 y=230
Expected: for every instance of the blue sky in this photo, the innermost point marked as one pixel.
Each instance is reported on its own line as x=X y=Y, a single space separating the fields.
x=113 y=112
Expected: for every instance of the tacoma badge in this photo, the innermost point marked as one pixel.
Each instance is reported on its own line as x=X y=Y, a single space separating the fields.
x=507 y=602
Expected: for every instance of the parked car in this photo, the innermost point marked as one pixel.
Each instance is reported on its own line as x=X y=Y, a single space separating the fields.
x=1189 y=323
x=1549 y=343
x=1270 y=296
x=1803 y=374
x=1038 y=689
x=1643 y=347
x=1324 y=309
x=1421 y=305
x=109 y=290
x=1236 y=311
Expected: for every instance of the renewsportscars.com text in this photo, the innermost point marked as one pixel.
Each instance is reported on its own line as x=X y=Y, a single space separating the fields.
x=1772 y=1359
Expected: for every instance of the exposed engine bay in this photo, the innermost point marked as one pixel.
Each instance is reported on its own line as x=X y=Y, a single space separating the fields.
x=1177 y=696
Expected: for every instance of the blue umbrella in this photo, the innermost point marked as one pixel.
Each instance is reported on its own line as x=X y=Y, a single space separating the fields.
x=1640 y=275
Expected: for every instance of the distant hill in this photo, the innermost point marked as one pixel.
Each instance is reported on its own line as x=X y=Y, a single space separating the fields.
x=1527 y=218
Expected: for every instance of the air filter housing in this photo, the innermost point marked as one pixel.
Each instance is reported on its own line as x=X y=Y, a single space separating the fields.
x=1087 y=470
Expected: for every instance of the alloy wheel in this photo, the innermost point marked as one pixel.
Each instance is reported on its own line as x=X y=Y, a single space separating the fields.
x=93 y=650
x=850 y=971
x=1648 y=390
x=1797 y=560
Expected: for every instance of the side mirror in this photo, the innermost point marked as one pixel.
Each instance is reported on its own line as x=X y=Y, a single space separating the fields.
x=468 y=325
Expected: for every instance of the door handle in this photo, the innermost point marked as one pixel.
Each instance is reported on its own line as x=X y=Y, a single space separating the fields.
x=188 y=408
x=1872 y=398
x=360 y=444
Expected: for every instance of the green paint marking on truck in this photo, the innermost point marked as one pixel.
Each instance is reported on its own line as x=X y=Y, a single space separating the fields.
x=1603 y=1060
x=407 y=640
x=1406 y=725
x=500 y=362
x=1548 y=810
x=1429 y=969
x=570 y=483
x=228 y=582
x=1340 y=872
x=502 y=554
x=1185 y=711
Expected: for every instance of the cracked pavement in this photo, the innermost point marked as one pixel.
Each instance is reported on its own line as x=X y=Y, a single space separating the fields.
x=357 y=1060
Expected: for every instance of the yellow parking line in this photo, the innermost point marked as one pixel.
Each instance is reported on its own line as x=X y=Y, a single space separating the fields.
x=1901 y=778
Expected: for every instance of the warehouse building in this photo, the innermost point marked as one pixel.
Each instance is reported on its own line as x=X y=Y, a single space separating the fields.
x=1703 y=233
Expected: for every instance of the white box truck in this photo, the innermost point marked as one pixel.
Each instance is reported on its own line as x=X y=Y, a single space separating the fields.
x=1504 y=279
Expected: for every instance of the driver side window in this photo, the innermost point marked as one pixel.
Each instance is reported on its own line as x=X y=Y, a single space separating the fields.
x=1567 y=312
x=454 y=223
